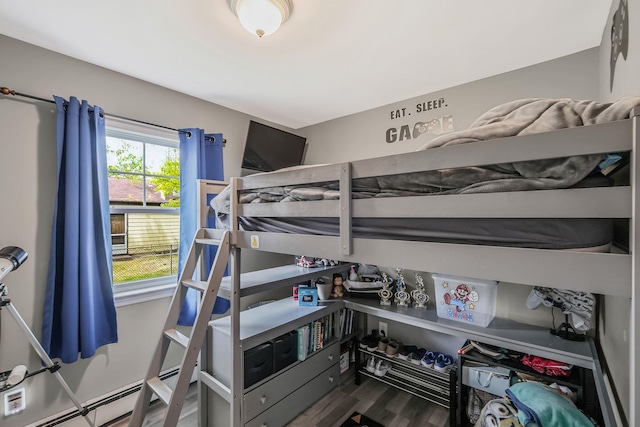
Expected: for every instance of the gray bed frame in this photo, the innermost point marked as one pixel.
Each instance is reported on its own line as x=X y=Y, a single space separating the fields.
x=608 y=274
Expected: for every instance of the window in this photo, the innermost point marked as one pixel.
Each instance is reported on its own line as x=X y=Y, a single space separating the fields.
x=144 y=199
x=119 y=233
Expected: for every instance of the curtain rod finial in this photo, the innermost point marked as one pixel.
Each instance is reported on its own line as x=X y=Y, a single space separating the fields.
x=7 y=91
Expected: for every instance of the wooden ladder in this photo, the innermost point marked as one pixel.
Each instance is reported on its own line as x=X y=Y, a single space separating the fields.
x=152 y=384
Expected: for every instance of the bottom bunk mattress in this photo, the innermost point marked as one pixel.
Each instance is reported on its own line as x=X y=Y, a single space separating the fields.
x=537 y=233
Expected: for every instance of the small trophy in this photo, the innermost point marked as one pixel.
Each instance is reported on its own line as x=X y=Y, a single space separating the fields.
x=385 y=293
x=420 y=297
x=402 y=297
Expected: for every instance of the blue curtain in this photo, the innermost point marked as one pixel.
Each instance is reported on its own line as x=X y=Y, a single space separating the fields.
x=200 y=158
x=79 y=311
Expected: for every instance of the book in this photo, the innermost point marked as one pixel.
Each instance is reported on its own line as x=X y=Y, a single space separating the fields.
x=303 y=339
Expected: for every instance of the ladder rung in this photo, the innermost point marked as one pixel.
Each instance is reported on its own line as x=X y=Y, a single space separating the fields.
x=198 y=285
x=213 y=383
x=215 y=242
x=177 y=337
x=160 y=389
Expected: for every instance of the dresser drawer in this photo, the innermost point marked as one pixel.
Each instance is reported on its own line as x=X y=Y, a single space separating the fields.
x=276 y=388
x=295 y=403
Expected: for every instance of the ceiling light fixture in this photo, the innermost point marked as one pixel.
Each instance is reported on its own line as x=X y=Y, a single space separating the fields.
x=261 y=17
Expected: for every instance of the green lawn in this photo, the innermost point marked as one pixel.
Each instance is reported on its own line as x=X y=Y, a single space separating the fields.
x=140 y=267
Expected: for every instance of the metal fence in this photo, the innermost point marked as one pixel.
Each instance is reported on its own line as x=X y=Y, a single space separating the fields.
x=145 y=262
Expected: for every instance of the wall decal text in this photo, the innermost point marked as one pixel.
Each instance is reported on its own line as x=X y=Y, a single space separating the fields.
x=434 y=126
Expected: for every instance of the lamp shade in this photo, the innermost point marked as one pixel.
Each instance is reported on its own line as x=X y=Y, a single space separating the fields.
x=261 y=17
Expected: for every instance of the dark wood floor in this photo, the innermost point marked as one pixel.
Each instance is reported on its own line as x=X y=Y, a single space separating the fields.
x=380 y=402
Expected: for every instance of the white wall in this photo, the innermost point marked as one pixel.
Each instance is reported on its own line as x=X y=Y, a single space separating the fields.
x=27 y=186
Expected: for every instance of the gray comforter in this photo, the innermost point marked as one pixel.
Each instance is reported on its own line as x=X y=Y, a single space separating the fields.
x=519 y=117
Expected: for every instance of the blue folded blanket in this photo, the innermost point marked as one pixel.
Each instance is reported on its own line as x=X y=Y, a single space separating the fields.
x=544 y=406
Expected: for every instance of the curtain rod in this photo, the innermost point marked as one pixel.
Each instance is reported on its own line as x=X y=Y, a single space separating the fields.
x=7 y=91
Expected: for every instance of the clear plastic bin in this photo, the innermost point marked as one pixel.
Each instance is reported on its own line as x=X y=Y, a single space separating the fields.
x=464 y=299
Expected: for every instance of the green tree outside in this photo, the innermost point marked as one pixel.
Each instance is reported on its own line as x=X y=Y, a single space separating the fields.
x=125 y=163
x=169 y=182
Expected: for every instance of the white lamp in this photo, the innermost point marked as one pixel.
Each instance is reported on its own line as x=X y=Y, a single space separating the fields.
x=261 y=17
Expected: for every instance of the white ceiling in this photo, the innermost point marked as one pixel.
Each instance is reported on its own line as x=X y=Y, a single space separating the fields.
x=330 y=59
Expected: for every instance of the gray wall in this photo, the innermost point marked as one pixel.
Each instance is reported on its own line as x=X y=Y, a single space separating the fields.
x=615 y=312
x=364 y=135
x=27 y=185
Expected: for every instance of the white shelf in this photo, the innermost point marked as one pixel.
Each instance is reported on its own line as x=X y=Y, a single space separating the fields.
x=269 y=321
x=274 y=278
x=500 y=332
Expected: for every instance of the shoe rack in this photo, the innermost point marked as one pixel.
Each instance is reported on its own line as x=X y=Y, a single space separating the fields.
x=427 y=383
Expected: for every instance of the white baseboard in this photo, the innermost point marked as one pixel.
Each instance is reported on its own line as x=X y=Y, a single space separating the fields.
x=118 y=403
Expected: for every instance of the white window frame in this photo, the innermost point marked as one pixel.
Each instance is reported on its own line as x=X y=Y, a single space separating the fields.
x=150 y=289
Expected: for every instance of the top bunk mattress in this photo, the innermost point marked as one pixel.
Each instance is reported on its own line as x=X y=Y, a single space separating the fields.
x=516 y=118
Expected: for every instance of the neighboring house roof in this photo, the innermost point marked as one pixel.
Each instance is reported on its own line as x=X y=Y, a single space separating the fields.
x=122 y=190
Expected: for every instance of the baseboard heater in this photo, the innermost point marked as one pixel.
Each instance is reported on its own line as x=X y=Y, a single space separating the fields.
x=103 y=402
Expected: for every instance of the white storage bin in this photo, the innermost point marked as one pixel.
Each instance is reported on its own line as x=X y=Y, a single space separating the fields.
x=492 y=379
x=464 y=299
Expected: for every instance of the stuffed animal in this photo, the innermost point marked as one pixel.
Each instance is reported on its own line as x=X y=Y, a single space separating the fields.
x=338 y=288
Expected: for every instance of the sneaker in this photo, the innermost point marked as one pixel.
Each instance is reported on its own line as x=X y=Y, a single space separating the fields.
x=416 y=356
x=364 y=342
x=382 y=345
x=443 y=362
x=367 y=341
x=429 y=359
x=407 y=352
x=393 y=348
x=371 y=364
x=372 y=345
x=382 y=367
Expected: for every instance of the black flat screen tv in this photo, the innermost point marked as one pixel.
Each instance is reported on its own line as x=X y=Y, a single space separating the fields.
x=268 y=149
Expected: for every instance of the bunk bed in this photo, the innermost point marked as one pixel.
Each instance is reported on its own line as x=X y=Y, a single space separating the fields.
x=262 y=226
